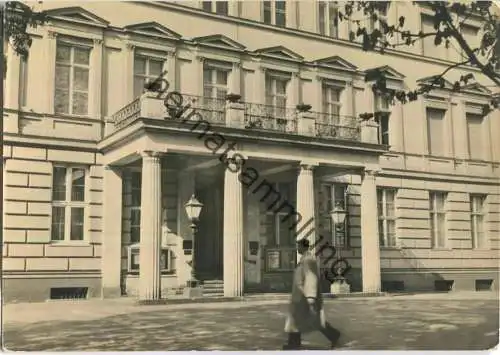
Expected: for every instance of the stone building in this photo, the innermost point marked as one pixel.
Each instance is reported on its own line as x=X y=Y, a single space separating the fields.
x=98 y=170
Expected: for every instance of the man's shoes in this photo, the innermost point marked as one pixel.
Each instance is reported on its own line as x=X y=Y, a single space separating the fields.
x=294 y=342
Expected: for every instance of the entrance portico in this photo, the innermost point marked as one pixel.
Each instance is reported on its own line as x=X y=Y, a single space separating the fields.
x=238 y=202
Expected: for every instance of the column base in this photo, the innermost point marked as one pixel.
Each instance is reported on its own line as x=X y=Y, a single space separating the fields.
x=193 y=289
x=340 y=287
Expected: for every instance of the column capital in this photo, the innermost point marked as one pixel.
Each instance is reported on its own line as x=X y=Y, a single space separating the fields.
x=172 y=53
x=307 y=166
x=97 y=41
x=51 y=34
x=371 y=172
x=200 y=58
x=237 y=65
x=130 y=46
x=151 y=154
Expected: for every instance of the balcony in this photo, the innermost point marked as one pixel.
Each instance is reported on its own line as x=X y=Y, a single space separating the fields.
x=248 y=116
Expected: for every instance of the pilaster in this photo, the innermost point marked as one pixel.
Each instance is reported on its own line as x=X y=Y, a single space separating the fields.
x=12 y=89
x=348 y=102
x=396 y=133
x=259 y=87
x=95 y=84
x=112 y=230
x=151 y=219
x=233 y=235
x=50 y=69
x=370 y=248
x=128 y=70
x=291 y=14
x=198 y=62
x=235 y=79
x=171 y=69
x=233 y=8
x=294 y=90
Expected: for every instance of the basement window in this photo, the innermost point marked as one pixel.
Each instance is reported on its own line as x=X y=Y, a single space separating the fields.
x=443 y=285
x=68 y=293
x=484 y=285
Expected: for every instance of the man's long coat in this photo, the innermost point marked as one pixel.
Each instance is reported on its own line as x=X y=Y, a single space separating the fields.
x=306 y=284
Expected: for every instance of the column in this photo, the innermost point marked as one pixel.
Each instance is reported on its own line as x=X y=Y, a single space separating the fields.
x=370 y=249
x=149 y=257
x=233 y=235
x=259 y=87
x=305 y=202
x=112 y=232
x=50 y=72
x=235 y=83
x=294 y=90
x=96 y=81
x=128 y=74
x=172 y=70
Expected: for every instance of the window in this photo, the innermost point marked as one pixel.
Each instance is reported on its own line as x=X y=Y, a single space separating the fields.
x=477 y=221
x=276 y=8
x=219 y=7
x=327 y=16
x=145 y=70
x=68 y=204
x=381 y=12
x=276 y=94
x=382 y=115
x=386 y=217
x=435 y=131
x=134 y=262
x=438 y=219
x=429 y=49
x=330 y=196
x=475 y=138
x=72 y=79
x=214 y=93
x=23 y=81
x=470 y=34
x=135 y=208
x=331 y=103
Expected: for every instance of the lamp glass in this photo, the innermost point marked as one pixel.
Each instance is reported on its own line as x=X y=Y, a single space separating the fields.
x=193 y=208
x=338 y=214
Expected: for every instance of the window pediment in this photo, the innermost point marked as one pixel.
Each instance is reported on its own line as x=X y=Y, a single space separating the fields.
x=153 y=29
x=335 y=62
x=388 y=72
x=444 y=84
x=77 y=14
x=476 y=88
x=219 y=41
x=279 y=52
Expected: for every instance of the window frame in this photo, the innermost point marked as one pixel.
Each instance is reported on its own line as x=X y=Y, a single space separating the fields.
x=72 y=65
x=473 y=116
x=384 y=217
x=135 y=208
x=325 y=214
x=327 y=103
x=474 y=216
x=147 y=76
x=214 y=8
x=135 y=249
x=382 y=108
x=434 y=220
x=274 y=11
x=67 y=204
x=443 y=139
x=213 y=85
x=326 y=19
x=23 y=81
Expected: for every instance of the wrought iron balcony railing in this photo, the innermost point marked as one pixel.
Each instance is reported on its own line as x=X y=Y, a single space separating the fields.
x=212 y=110
x=339 y=127
x=274 y=118
x=127 y=114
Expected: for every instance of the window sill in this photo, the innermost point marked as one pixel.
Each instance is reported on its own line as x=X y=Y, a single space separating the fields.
x=395 y=247
x=71 y=243
x=163 y=273
x=442 y=248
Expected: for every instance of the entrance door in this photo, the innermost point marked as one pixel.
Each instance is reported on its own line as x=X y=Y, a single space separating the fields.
x=208 y=240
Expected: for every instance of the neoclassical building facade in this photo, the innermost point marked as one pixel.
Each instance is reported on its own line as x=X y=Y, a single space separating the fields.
x=98 y=167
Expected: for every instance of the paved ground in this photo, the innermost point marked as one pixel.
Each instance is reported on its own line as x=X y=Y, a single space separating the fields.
x=406 y=322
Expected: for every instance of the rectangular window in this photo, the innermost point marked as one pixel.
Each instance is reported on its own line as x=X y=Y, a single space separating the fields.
x=72 y=79
x=438 y=219
x=145 y=70
x=219 y=7
x=135 y=208
x=274 y=13
x=332 y=195
x=477 y=221
x=331 y=104
x=429 y=49
x=134 y=260
x=327 y=18
x=382 y=115
x=386 y=217
x=435 y=131
x=68 y=204
x=280 y=232
x=475 y=139
x=276 y=94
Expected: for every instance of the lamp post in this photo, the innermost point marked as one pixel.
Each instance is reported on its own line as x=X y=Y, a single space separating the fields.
x=193 y=209
x=338 y=215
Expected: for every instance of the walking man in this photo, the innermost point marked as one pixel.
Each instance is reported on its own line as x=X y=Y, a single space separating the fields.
x=305 y=313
